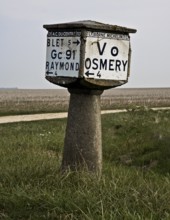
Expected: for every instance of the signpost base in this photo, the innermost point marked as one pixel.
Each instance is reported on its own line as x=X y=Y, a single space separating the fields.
x=83 y=141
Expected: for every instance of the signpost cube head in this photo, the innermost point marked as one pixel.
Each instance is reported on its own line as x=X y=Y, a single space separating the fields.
x=88 y=55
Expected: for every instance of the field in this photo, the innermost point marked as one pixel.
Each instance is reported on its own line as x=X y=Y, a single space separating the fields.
x=20 y=101
x=135 y=182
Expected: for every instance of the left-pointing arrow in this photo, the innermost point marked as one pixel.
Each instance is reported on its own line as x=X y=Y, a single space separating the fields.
x=48 y=72
x=77 y=42
x=88 y=74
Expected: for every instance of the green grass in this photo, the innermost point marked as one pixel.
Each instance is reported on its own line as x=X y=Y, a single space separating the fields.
x=135 y=183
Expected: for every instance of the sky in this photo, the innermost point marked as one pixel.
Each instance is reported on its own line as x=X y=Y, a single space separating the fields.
x=23 y=38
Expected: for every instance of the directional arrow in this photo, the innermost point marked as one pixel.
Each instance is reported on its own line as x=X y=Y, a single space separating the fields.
x=88 y=74
x=76 y=42
x=48 y=72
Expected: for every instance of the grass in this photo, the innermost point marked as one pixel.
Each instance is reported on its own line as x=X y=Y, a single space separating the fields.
x=140 y=138
x=136 y=171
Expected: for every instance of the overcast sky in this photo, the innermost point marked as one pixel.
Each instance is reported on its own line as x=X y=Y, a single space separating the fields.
x=23 y=39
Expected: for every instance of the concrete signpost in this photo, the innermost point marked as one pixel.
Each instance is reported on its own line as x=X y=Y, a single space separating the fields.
x=86 y=57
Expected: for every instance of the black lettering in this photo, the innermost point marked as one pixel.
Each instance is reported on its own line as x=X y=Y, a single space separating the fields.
x=57 y=42
x=77 y=66
x=66 y=66
x=53 y=45
x=62 y=42
x=62 y=66
x=118 y=63
x=99 y=74
x=74 y=54
x=71 y=66
x=111 y=65
x=60 y=55
x=101 y=50
x=48 y=42
x=52 y=65
x=103 y=64
x=68 y=54
x=88 y=63
x=94 y=61
x=69 y=42
x=114 y=51
x=56 y=65
x=124 y=64
x=53 y=54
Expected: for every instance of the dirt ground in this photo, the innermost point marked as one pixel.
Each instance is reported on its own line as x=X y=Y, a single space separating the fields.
x=47 y=116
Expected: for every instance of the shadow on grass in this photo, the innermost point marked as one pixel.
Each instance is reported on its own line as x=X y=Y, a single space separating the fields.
x=156 y=158
x=138 y=139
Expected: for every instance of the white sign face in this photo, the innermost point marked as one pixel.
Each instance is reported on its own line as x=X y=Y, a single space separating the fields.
x=63 y=54
x=106 y=56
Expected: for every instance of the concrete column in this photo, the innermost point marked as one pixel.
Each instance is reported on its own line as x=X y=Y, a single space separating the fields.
x=83 y=141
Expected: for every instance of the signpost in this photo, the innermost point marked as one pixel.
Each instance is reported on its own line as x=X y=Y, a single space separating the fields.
x=86 y=57
x=63 y=54
x=106 y=56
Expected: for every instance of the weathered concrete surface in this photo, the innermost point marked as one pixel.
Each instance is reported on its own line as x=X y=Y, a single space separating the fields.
x=83 y=142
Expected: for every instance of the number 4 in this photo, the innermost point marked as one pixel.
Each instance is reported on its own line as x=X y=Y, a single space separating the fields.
x=99 y=74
